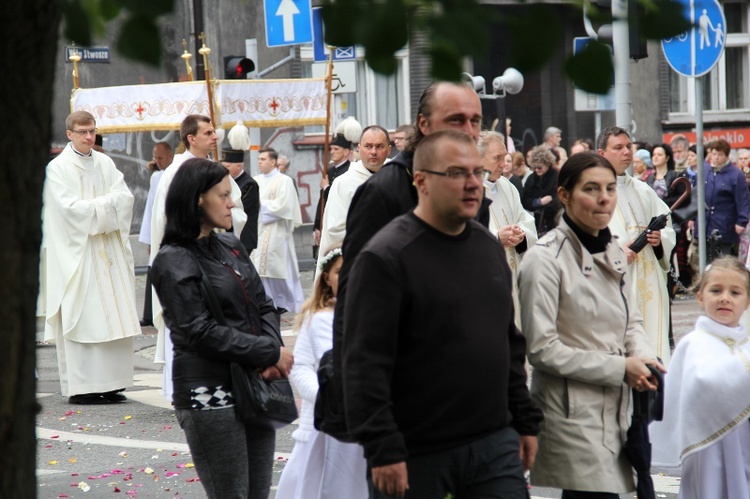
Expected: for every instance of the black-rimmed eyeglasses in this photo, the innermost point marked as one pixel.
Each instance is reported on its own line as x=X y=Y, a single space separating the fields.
x=464 y=175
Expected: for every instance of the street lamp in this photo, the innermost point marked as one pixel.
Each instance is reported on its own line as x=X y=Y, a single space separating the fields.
x=511 y=82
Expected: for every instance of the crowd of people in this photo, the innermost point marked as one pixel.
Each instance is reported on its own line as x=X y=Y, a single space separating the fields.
x=447 y=273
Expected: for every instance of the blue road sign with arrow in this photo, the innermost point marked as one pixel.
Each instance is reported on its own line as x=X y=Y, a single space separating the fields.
x=696 y=51
x=288 y=22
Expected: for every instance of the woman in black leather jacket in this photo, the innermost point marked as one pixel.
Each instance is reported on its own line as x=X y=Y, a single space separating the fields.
x=232 y=459
x=662 y=158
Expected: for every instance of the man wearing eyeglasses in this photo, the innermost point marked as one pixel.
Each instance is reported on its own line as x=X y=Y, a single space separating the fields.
x=87 y=276
x=433 y=366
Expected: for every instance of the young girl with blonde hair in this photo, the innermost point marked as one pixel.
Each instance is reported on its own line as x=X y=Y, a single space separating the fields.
x=705 y=433
x=320 y=466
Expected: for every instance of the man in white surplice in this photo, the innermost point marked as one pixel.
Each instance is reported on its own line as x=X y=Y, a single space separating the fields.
x=88 y=281
x=374 y=149
x=199 y=137
x=275 y=257
x=637 y=203
x=513 y=226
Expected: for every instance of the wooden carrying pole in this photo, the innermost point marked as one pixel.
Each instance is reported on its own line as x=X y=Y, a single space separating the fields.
x=204 y=51
x=326 y=146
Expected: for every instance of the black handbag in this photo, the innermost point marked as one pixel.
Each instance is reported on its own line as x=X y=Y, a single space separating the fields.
x=256 y=400
x=329 y=407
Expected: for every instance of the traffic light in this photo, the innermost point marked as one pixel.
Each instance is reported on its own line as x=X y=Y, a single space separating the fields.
x=237 y=67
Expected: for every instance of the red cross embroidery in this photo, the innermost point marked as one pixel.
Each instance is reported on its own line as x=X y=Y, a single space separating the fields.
x=274 y=105
x=140 y=110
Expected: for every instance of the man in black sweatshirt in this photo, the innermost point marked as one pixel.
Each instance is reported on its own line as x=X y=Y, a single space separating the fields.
x=433 y=366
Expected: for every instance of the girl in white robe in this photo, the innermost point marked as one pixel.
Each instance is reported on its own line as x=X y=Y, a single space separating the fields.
x=320 y=466
x=705 y=433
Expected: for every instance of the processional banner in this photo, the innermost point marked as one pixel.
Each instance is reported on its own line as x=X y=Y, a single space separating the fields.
x=163 y=106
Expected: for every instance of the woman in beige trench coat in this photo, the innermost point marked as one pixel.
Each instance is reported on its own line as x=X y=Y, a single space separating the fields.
x=584 y=340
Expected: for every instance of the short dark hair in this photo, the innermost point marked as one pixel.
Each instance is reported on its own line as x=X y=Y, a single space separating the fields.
x=604 y=135
x=722 y=146
x=190 y=125
x=426 y=151
x=272 y=154
x=184 y=217
x=376 y=127
x=572 y=170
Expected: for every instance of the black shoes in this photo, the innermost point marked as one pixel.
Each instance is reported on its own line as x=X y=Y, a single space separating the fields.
x=112 y=397
x=145 y=322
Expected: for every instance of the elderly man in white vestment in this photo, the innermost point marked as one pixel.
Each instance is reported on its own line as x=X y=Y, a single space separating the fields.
x=275 y=257
x=199 y=137
x=88 y=283
x=374 y=149
x=637 y=203
x=515 y=227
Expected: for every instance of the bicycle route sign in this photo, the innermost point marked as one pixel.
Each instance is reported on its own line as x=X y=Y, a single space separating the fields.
x=696 y=51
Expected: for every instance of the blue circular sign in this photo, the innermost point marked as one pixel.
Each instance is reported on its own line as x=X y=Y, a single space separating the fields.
x=696 y=51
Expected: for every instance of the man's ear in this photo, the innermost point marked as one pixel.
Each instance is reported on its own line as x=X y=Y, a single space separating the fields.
x=422 y=123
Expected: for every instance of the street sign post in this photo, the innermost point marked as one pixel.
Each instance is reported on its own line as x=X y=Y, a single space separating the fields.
x=693 y=54
x=288 y=22
x=696 y=51
x=320 y=54
x=344 y=77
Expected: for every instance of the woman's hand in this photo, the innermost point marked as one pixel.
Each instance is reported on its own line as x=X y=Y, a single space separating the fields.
x=270 y=373
x=638 y=376
x=285 y=363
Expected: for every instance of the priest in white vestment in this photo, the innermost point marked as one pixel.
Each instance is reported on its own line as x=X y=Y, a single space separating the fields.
x=275 y=257
x=198 y=135
x=637 y=204
x=374 y=149
x=88 y=284
x=514 y=227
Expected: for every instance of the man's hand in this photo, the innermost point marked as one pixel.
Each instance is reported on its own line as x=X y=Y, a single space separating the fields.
x=529 y=446
x=511 y=236
x=391 y=479
x=739 y=229
x=324 y=182
x=316 y=235
x=654 y=237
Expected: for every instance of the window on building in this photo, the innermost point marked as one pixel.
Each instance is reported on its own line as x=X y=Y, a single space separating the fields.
x=726 y=88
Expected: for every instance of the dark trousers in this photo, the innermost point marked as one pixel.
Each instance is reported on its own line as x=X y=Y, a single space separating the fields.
x=148 y=315
x=486 y=468
x=577 y=494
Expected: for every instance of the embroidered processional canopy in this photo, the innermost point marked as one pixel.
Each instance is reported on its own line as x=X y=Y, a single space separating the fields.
x=163 y=106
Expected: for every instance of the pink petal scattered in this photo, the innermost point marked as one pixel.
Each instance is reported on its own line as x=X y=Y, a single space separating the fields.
x=132 y=493
x=173 y=454
x=74 y=474
x=65 y=495
x=49 y=447
x=116 y=489
x=171 y=474
x=182 y=465
x=69 y=413
x=167 y=427
x=54 y=436
x=117 y=472
x=193 y=480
